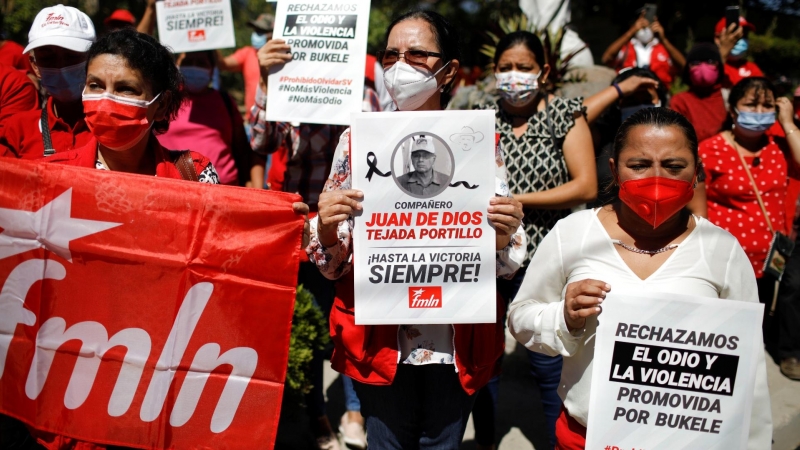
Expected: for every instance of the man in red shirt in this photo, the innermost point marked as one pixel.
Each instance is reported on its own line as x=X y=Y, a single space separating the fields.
x=17 y=93
x=245 y=60
x=58 y=41
x=733 y=45
x=645 y=45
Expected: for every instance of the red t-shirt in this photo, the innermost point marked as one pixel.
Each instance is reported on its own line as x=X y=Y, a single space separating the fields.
x=707 y=114
x=732 y=203
x=17 y=93
x=735 y=73
x=248 y=60
x=11 y=55
x=22 y=134
x=203 y=123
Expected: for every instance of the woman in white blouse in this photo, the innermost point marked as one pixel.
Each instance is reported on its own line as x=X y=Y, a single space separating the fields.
x=645 y=242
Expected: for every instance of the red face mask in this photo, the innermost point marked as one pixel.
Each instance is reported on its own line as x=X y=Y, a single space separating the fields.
x=117 y=122
x=656 y=199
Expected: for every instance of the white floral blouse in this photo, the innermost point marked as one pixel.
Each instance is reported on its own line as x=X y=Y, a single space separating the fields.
x=419 y=344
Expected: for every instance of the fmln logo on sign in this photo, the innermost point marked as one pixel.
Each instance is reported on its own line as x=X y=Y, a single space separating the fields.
x=425 y=297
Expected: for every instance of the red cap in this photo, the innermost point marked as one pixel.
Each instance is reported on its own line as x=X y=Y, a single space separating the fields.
x=722 y=24
x=120 y=15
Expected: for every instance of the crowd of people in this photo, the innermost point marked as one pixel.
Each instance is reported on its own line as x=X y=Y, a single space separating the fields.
x=724 y=154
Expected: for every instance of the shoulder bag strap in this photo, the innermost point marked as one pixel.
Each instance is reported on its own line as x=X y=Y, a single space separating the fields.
x=185 y=166
x=550 y=127
x=48 y=142
x=755 y=188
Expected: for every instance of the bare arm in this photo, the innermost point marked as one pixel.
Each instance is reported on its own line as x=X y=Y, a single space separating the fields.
x=228 y=63
x=582 y=187
x=679 y=62
x=785 y=117
x=148 y=23
x=598 y=103
x=727 y=40
x=610 y=55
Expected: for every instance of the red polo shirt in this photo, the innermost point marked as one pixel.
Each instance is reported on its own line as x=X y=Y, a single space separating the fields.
x=22 y=136
x=17 y=93
x=706 y=113
x=11 y=55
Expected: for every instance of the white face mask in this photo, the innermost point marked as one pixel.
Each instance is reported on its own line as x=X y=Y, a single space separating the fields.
x=645 y=35
x=410 y=86
x=517 y=88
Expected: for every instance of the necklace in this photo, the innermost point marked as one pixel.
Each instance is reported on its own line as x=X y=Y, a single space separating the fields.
x=645 y=252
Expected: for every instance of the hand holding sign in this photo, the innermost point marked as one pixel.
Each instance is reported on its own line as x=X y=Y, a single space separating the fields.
x=334 y=208
x=274 y=52
x=582 y=300
x=505 y=214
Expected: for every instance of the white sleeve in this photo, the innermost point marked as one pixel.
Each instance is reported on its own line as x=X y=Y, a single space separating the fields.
x=536 y=316
x=740 y=284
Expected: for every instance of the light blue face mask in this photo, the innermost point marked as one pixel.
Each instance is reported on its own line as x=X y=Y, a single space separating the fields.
x=754 y=123
x=258 y=40
x=64 y=84
x=196 y=78
x=740 y=48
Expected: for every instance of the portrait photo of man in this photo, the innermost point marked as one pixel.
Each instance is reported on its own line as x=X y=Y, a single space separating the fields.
x=424 y=181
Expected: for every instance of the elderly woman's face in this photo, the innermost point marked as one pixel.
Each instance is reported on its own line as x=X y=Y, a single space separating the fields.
x=652 y=151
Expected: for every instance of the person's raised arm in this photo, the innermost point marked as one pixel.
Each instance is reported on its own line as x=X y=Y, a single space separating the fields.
x=786 y=119
x=582 y=186
x=678 y=60
x=148 y=23
x=610 y=55
x=728 y=39
x=598 y=103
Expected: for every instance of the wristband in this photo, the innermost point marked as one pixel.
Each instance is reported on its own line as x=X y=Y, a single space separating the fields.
x=793 y=130
x=619 y=91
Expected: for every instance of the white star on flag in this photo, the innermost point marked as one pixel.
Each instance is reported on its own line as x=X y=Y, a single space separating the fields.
x=50 y=227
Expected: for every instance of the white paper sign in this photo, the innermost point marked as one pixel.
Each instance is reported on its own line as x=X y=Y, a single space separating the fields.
x=195 y=25
x=324 y=81
x=673 y=372
x=424 y=248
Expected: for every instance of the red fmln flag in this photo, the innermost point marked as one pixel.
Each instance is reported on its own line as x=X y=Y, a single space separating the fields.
x=144 y=312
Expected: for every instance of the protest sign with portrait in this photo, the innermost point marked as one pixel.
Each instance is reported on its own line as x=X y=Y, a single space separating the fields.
x=673 y=371
x=424 y=247
x=196 y=25
x=324 y=81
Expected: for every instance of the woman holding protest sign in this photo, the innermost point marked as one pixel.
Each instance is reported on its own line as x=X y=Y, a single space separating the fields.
x=644 y=242
x=413 y=395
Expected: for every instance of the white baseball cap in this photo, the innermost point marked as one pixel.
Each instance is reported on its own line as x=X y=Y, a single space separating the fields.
x=62 y=26
x=423 y=143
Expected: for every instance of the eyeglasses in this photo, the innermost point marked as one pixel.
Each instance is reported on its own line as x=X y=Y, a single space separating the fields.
x=389 y=57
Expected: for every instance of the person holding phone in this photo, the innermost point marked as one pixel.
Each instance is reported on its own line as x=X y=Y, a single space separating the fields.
x=731 y=38
x=646 y=45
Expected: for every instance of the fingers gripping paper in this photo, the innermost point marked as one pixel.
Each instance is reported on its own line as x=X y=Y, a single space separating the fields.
x=136 y=311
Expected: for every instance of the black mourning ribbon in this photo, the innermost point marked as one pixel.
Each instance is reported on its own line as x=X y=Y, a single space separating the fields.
x=372 y=163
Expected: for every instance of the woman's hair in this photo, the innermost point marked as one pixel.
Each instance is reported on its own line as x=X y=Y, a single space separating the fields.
x=447 y=39
x=526 y=38
x=657 y=117
x=154 y=63
x=741 y=89
x=703 y=52
x=746 y=84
